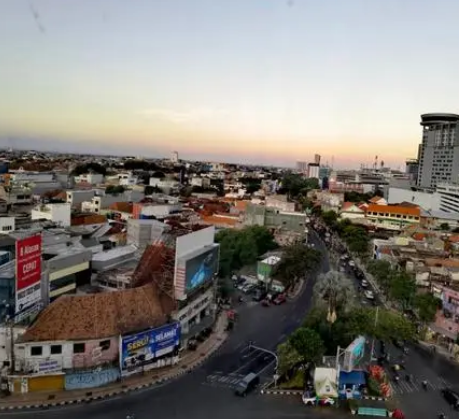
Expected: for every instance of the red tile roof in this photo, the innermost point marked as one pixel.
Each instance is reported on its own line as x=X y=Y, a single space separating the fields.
x=394 y=209
x=98 y=316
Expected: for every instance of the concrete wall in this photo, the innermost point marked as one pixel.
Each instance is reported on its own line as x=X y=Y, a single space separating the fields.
x=427 y=201
x=91 y=379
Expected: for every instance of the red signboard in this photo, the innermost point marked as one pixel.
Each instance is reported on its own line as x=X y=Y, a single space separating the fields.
x=28 y=262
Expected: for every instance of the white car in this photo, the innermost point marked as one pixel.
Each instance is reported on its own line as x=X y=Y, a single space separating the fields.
x=351 y=263
x=369 y=295
x=364 y=283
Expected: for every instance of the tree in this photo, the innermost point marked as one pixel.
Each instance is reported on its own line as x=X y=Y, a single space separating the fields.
x=391 y=325
x=114 y=189
x=336 y=290
x=289 y=358
x=149 y=190
x=308 y=344
x=295 y=185
x=89 y=167
x=382 y=272
x=356 y=238
x=243 y=247
x=330 y=218
x=426 y=306
x=297 y=260
x=444 y=226
x=402 y=289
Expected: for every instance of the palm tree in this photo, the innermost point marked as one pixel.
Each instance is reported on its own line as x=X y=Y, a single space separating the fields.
x=335 y=290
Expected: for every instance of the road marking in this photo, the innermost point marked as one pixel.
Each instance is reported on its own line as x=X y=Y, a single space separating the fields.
x=267 y=366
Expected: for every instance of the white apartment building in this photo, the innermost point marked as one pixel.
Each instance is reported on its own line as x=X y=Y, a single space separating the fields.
x=101 y=202
x=164 y=183
x=448 y=195
x=7 y=225
x=203 y=182
x=127 y=179
x=91 y=178
x=57 y=213
x=76 y=198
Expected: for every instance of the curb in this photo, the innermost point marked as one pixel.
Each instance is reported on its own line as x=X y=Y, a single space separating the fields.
x=282 y=392
x=118 y=392
x=379 y=399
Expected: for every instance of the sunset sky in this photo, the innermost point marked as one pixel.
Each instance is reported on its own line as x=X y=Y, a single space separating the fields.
x=262 y=81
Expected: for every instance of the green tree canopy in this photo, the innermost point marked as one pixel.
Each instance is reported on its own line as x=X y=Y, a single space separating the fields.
x=308 y=344
x=289 y=358
x=382 y=272
x=297 y=260
x=242 y=247
x=426 y=306
x=402 y=289
x=114 y=189
x=82 y=169
x=294 y=184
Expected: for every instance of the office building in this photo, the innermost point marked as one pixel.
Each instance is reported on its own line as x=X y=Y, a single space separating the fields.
x=317 y=159
x=313 y=170
x=301 y=166
x=439 y=151
x=448 y=195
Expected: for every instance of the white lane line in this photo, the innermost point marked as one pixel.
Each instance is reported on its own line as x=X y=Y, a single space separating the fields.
x=265 y=368
x=415 y=386
x=249 y=362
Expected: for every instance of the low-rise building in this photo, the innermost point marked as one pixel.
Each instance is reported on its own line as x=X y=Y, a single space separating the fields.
x=76 y=197
x=392 y=217
x=351 y=211
x=280 y=202
x=90 y=178
x=57 y=213
x=274 y=219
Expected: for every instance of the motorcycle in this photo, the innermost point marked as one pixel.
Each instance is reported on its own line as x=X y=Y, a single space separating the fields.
x=424 y=385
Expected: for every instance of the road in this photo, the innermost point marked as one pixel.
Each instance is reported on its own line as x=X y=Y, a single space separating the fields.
x=208 y=391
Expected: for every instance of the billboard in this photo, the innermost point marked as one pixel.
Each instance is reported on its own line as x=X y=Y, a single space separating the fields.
x=354 y=353
x=201 y=269
x=28 y=272
x=141 y=349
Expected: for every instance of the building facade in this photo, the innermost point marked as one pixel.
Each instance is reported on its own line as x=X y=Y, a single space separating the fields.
x=439 y=150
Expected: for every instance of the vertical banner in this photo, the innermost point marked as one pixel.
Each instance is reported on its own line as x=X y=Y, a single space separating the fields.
x=28 y=272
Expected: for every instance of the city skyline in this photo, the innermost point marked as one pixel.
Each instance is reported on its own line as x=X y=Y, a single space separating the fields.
x=265 y=82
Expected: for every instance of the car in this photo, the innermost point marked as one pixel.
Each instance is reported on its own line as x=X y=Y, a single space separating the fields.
x=364 y=283
x=351 y=263
x=280 y=299
x=248 y=288
x=369 y=295
x=451 y=397
x=258 y=295
x=266 y=303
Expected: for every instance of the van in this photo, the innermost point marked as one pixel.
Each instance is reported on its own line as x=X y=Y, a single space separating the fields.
x=247 y=384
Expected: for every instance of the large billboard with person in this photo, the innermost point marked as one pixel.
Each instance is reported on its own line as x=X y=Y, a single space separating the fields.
x=201 y=269
x=142 y=349
x=28 y=272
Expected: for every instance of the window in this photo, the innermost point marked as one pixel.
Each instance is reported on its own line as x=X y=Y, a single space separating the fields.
x=56 y=349
x=78 y=348
x=36 y=350
x=104 y=345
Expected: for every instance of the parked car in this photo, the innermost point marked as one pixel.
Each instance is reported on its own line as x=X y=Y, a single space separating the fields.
x=247 y=384
x=369 y=295
x=364 y=283
x=280 y=299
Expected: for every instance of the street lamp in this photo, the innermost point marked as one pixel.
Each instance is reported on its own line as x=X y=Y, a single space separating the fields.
x=258 y=348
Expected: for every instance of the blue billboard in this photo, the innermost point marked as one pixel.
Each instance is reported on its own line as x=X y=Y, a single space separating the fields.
x=147 y=347
x=201 y=269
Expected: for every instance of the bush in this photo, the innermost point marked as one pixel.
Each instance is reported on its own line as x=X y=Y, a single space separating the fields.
x=295 y=383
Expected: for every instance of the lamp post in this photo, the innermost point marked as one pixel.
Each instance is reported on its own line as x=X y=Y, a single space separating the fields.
x=372 y=358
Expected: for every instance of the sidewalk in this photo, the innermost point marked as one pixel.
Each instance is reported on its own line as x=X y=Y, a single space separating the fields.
x=189 y=361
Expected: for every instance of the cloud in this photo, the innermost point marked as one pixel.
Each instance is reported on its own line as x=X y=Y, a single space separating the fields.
x=181 y=117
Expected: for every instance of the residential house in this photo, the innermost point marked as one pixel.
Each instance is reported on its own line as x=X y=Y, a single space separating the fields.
x=378 y=200
x=351 y=211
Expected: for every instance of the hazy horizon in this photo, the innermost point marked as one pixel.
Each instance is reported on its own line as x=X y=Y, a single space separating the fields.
x=260 y=81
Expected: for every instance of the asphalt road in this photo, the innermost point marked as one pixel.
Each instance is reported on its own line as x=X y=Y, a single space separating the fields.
x=209 y=390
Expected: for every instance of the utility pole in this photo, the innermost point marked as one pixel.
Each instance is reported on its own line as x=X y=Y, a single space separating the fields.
x=373 y=340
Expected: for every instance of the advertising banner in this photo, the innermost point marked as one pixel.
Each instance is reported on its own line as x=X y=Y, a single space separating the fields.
x=146 y=347
x=354 y=353
x=201 y=269
x=28 y=272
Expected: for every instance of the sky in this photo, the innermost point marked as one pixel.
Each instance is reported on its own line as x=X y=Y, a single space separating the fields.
x=259 y=81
